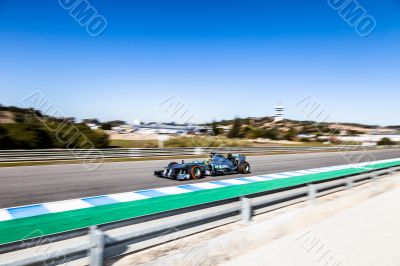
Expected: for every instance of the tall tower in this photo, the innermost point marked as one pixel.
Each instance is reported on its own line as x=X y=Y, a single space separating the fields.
x=279 y=110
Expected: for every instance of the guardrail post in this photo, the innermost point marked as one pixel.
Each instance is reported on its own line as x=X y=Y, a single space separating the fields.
x=391 y=171
x=312 y=192
x=349 y=182
x=374 y=176
x=96 y=254
x=245 y=209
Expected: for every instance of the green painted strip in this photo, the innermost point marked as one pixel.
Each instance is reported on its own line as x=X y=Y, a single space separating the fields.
x=38 y=226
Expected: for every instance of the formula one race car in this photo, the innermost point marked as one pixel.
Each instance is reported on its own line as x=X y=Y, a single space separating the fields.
x=216 y=165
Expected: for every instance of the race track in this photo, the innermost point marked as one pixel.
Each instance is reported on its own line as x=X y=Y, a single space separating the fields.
x=35 y=184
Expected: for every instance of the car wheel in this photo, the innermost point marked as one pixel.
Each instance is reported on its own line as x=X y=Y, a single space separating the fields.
x=244 y=168
x=195 y=172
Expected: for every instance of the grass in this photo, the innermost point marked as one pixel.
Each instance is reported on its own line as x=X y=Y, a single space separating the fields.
x=303 y=144
x=124 y=143
x=198 y=141
x=194 y=141
x=201 y=141
x=59 y=162
x=182 y=142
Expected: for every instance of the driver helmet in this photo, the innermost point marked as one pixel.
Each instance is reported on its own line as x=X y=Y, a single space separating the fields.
x=209 y=160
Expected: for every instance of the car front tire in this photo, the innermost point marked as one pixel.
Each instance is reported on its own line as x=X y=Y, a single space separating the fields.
x=195 y=172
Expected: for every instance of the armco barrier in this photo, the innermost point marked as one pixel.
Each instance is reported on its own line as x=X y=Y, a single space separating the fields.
x=139 y=223
x=12 y=156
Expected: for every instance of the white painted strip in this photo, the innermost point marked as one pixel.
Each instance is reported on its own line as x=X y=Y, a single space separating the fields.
x=172 y=190
x=290 y=174
x=334 y=168
x=307 y=172
x=383 y=161
x=365 y=168
x=5 y=215
x=313 y=171
x=206 y=185
x=316 y=171
x=325 y=169
x=342 y=167
x=259 y=178
x=235 y=181
x=277 y=176
x=376 y=162
x=364 y=164
x=128 y=196
x=67 y=205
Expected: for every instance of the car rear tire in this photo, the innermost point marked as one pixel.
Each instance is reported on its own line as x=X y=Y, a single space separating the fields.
x=244 y=168
x=195 y=172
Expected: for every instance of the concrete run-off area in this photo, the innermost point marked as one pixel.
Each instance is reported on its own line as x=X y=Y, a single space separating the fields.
x=366 y=234
x=355 y=227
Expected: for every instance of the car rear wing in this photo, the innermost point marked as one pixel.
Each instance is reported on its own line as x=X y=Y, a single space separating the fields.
x=239 y=157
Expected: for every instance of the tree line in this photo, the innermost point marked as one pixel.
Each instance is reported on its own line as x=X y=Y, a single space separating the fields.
x=32 y=130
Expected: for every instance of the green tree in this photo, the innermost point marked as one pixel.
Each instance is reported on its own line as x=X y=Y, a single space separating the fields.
x=253 y=132
x=291 y=134
x=5 y=140
x=215 y=129
x=97 y=138
x=28 y=136
x=271 y=134
x=235 y=131
x=386 y=141
x=115 y=123
x=106 y=126
x=91 y=121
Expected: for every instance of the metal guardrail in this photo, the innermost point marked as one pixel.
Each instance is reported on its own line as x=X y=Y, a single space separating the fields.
x=118 y=238
x=10 y=156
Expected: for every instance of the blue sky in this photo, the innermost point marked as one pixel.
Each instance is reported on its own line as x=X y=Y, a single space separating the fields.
x=219 y=58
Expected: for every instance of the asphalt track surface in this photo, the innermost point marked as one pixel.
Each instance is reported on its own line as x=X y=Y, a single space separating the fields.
x=25 y=185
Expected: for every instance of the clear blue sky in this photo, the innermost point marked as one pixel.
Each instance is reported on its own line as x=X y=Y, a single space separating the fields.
x=220 y=58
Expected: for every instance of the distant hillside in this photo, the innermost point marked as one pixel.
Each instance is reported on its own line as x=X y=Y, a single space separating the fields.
x=22 y=128
x=394 y=127
x=12 y=114
x=265 y=127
